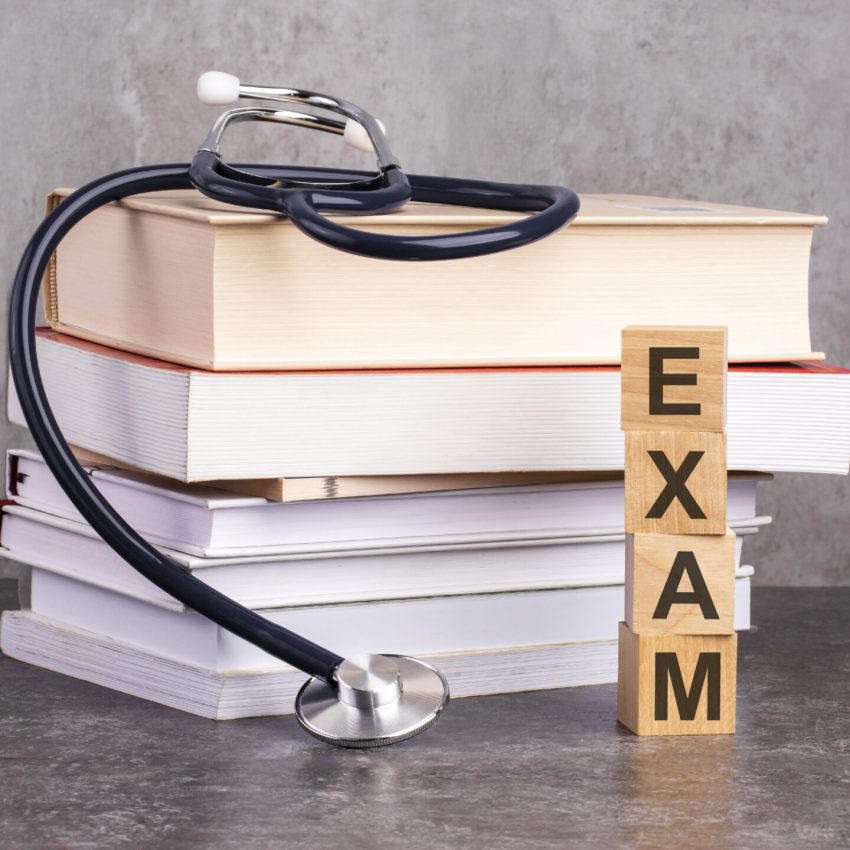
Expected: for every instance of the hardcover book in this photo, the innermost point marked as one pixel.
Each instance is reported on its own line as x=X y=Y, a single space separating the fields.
x=198 y=425
x=185 y=279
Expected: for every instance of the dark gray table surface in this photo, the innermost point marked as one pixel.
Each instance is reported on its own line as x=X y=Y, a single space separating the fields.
x=85 y=767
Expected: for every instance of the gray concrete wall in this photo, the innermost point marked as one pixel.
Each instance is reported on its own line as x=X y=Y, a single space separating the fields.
x=731 y=101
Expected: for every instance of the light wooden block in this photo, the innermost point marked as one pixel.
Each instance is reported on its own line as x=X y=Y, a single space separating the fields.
x=658 y=692
x=654 y=359
x=702 y=506
x=680 y=584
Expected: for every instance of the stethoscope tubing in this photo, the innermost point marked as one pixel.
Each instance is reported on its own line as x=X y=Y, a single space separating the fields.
x=554 y=207
x=78 y=486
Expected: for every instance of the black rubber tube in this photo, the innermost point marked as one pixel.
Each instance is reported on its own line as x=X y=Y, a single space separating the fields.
x=149 y=561
x=556 y=206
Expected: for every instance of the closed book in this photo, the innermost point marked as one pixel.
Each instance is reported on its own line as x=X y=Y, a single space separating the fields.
x=185 y=279
x=360 y=486
x=196 y=425
x=211 y=523
x=420 y=626
x=271 y=690
x=309 y=576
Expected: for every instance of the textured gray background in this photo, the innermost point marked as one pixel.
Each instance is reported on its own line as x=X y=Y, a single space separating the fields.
x=730 y=101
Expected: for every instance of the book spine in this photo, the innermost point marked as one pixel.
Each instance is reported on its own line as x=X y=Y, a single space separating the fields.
x=51 y=299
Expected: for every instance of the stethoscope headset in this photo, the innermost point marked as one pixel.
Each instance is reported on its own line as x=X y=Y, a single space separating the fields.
x=366 y=700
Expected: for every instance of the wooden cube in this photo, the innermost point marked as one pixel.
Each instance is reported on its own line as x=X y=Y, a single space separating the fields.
x=677 y=684
x=680 y=584
x=673 y=379
x=675 y=482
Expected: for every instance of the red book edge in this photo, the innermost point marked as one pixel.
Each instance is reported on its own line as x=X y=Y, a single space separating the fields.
x=797 y=368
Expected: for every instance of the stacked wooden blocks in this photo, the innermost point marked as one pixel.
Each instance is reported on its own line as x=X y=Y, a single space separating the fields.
x=677 y=646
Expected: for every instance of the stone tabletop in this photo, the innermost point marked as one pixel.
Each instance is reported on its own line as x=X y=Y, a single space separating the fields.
x=84 y=767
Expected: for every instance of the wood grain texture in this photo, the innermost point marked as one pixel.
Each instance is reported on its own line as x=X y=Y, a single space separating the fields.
x=647 y=686
x=660 y=404
x=645 y=482
x=655 y=576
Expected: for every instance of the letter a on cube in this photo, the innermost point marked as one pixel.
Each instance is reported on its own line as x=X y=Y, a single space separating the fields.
x=681 y=584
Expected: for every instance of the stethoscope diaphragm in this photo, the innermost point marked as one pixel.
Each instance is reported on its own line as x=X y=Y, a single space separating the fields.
x=378 y=700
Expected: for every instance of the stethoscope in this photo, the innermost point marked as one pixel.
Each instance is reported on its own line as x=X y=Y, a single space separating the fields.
x=366 y=700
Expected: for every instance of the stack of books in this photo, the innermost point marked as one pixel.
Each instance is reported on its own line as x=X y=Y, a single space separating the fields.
x=414 y=458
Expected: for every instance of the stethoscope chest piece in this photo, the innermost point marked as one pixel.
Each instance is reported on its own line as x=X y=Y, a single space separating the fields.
x=378 y=700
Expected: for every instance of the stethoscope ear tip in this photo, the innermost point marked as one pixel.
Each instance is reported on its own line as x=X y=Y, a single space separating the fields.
x=355 y=135
x=218 y=88
x=378 y=700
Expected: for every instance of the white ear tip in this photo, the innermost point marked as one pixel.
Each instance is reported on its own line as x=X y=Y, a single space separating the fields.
x=356 y=135
x=218 y=88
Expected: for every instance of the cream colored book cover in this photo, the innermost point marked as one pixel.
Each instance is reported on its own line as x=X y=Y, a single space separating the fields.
x=185 y=279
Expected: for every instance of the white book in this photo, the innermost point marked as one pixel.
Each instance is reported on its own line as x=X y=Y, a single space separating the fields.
x=423 y=627
x=198 y=425
x=230 y=694
x=308 y=577
x=209 y=522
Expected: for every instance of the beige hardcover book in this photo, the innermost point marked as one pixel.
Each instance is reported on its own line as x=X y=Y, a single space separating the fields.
x=354 y=486
x=181 y=278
